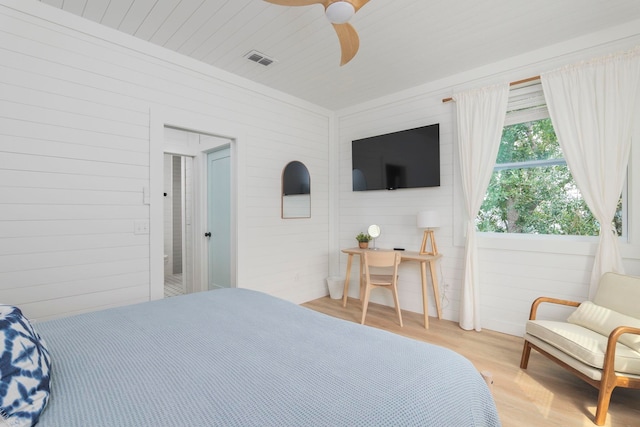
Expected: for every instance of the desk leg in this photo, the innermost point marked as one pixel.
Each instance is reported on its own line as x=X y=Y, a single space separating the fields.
x=346 y=281
x=425 y=302
x=436 y=290
x=361 y=279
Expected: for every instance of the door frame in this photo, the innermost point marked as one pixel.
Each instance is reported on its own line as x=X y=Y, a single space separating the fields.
x=161 y=117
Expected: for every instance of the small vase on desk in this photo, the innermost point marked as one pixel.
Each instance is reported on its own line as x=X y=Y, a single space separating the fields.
x=363 y=245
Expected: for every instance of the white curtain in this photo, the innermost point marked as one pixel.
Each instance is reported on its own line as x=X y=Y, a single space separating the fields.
x=480 y=114
x=593 y=107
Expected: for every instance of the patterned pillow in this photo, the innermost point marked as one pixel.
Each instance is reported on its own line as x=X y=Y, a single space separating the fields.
x=24 y=367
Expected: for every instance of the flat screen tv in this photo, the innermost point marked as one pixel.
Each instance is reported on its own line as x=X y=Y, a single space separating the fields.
x=404 y=159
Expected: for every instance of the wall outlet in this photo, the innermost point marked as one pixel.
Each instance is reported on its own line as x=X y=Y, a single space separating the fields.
x=141 y=226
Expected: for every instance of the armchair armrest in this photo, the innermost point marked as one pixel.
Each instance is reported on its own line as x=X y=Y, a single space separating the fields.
x=615 y=335
x=538 y=301
x=608 y=367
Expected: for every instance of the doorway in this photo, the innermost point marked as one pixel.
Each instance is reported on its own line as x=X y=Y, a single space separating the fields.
x=178 y=230
x=199 y=212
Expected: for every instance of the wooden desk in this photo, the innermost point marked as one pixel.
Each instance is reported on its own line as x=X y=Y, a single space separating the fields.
x=406 y=256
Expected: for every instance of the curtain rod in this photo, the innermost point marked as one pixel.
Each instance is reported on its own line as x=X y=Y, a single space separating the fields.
x=517 y=82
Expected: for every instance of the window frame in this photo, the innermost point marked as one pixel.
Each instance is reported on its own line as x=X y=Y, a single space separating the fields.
x=555 y=243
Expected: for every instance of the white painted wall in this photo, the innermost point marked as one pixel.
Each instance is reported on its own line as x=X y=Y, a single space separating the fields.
x=514 y=269
x=75 y=138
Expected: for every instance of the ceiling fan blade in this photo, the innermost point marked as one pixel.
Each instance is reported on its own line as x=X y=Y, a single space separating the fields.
x=357 y=4
x=349 y=41
x=347 y=35
x=297 y=2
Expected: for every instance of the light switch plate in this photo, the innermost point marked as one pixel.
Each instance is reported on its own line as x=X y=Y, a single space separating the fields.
x=145 y=196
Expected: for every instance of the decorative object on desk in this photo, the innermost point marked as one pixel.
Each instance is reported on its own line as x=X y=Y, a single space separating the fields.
x=363 y=240
x=374 y=232
x=428 y=220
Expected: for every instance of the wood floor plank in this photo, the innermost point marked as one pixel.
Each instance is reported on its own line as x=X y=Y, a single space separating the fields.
x=542 y=395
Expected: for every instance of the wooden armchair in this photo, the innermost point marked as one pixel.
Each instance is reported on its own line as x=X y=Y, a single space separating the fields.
x=599 y=342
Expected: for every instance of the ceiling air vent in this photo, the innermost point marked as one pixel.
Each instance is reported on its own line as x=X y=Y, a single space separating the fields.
x=260 y=58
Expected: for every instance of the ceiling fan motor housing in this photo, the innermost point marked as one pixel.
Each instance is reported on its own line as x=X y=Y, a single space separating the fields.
x=340 y=12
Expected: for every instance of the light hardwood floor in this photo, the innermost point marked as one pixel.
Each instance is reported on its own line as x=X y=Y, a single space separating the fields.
x=543 y=395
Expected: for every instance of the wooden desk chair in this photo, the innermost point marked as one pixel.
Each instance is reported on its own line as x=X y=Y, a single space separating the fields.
x=388 y=260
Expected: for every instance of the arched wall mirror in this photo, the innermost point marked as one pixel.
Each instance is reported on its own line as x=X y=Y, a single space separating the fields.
x=296 y=191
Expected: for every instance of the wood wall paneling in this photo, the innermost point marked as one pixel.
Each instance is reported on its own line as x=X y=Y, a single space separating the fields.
x=74 y=159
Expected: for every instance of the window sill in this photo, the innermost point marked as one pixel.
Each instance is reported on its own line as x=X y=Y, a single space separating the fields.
x=573 y=245
x=568 y=245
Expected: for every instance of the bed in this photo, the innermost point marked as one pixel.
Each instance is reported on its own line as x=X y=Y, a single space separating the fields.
x=236 y=357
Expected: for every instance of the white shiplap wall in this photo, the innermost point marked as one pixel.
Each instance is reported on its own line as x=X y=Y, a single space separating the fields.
x=75 y=101
x=514 y=269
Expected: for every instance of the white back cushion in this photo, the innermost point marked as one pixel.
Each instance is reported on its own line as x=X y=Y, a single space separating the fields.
x=603 y=320
x=620 y=293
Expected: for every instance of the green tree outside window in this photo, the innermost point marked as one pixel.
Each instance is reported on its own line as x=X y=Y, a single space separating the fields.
x=532 y=190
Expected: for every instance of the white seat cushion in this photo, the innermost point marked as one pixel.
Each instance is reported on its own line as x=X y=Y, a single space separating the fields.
x=583 y=344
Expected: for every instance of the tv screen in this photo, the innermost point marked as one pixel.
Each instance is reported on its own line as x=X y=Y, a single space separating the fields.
x=404 y=159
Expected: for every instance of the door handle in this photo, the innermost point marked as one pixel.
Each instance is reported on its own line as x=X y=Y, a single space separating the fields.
x=207 y=234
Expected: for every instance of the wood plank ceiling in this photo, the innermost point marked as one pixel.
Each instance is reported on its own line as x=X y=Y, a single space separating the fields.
x=403 y=43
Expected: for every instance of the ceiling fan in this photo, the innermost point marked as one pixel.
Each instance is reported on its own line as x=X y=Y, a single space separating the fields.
x=338 y=12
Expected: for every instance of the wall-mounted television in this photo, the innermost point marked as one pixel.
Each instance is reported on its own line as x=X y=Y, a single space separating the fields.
x=404 y=159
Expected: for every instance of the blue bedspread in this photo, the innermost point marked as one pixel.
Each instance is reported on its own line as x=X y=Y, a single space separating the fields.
x=235 y=357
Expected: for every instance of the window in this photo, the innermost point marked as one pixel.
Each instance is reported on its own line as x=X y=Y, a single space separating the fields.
x=531 y=189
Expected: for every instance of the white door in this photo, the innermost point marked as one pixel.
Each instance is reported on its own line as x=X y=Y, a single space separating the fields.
x=219 y=218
